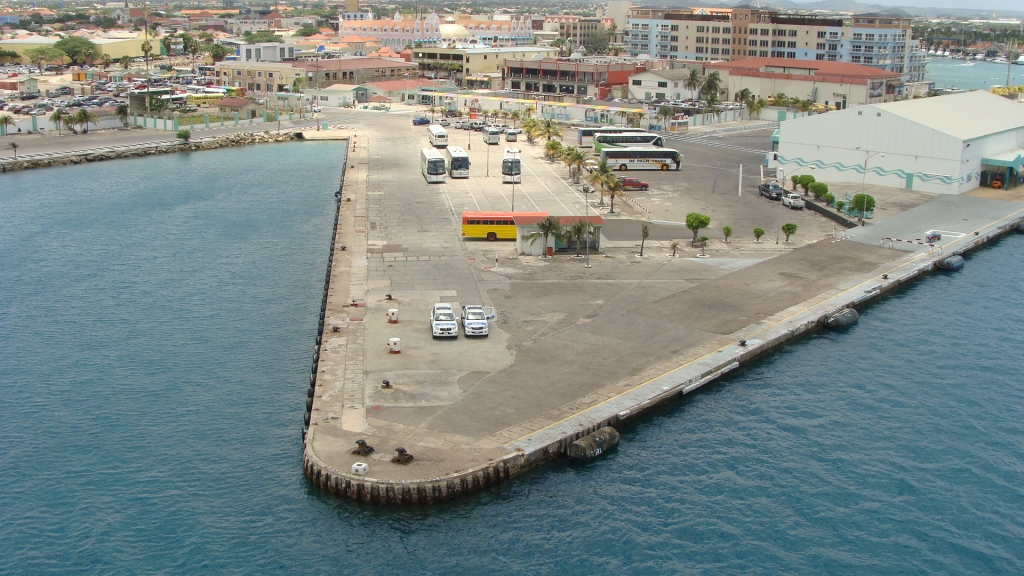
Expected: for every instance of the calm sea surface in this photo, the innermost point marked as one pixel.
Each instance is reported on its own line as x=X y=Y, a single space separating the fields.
x=953 y=73
x=157 y=320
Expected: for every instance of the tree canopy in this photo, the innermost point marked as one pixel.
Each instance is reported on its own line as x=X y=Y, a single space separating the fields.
x=80 y=50
x=307 y=30
x=44 y=55
x=262 y=36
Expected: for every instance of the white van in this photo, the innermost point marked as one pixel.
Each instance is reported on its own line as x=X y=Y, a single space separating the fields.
x=492 y=136
x=438 y=136
x=476 y=124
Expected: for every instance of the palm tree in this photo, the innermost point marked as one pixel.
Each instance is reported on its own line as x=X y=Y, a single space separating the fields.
x=122 y=113
x=549 y=130
x=579 y=231
x=14 y=146
x=645 y=231
x=546 y=228
x=298 y=84
x=125 y=62
x=614 y=187
x=693 y=82
x=56 y=118
x=665 y=114
x=84 y=118
x=712 y=84
x=5 y=121
x=553 y=150
x=528 y=111
x=69 y=123
x=743 y=95
x=530 y=128
x=624 y=116
x=432 y=109
x=600 y=176
x=515 y=115
x=574 y=159
x=168 y=44
x=107 y=61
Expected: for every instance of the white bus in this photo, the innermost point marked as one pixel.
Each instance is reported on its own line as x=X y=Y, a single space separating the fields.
x=438 y=136
x=432 y=165
x=492 y=136
x=511 y=167
x=627 y=139
x=641 y=158
x=585 y=138
x=458 y=162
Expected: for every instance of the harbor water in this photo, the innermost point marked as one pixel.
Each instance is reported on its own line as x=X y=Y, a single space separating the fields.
x=157 y=322
x=971 y=75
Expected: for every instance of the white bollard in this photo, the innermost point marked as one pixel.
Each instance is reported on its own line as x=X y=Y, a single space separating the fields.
x=395 y=345
x=393 y=316
x=360 y=468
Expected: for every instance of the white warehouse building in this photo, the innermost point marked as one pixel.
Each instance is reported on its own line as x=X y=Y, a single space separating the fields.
x=943 y=145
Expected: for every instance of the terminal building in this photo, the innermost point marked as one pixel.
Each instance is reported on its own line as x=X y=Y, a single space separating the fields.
x=943 y=145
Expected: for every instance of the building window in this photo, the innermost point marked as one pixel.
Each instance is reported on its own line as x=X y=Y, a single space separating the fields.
x=855 y=48
x=790 y=54
x=662 y=84
x=765 y=32
x=833 y=47
x=868 y=60
x=791 y=45
x=831 y=57
x=763 y=53
x=856 y=36
x=821 y=33
x=869 y=37
x=716 y=29
x=673 y=38
x=764 y=43
x=792 y=33
x=637 y=83
x=725 y=51
x=675 y=28
x=819 y=57
x=855 y=59
x=714 y=50
x=821 y=46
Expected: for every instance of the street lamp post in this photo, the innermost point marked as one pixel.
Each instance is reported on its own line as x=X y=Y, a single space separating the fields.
x=863 y=181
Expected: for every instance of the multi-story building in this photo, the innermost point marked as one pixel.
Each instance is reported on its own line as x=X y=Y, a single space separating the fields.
x=266 y=52
x=258 y=76
x=591 y=77
x=574 y=29
x=475 y=67
x=431 y=31
x=281 y=76
x=729 y=34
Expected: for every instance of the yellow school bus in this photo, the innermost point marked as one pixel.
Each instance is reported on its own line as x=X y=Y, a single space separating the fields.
x=493 y=225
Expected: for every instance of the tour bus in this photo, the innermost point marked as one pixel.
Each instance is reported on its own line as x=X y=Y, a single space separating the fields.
x=511 y=167
x=627 y=139
x=492 y=136
x=458 y=162
x=199 y=99
x=641 y=158
x=493 y=225
x=585 y=138
x=432 y=165
x=438 y=136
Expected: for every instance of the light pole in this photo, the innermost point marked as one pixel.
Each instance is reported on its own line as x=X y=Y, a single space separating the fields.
x=488 y=146
x=863 y=180
x=586 y=215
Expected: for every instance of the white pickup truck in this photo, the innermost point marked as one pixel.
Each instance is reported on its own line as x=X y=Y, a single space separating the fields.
x=443 y=322
x=794 y=201
x=474 y=320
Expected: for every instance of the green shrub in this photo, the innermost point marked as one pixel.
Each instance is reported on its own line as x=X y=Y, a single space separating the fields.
x=863 y=203
x=795 y=179
x=818 y=189
x=805 y=181
x=828 y=198
x=727 y=231
x=840 y=205
x=758 y=232
x=183 y=135
x=788 y=229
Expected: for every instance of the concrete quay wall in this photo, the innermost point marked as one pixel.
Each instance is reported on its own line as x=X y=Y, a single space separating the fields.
x=553 y=442
x=101 y=154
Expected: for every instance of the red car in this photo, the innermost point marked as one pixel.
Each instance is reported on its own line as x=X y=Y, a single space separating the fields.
x=634 y=184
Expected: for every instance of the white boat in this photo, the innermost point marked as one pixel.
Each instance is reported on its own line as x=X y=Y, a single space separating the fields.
x=931 y=52
x=979 y=56
x=945 y=54
x=1020 y=60
x=1000 y=60
x=968 y=64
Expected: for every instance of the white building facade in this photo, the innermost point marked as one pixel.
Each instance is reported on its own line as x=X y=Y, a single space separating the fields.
x=942 y=145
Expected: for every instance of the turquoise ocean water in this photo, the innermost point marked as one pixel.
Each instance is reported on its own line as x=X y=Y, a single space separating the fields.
x=952 y=73
x=157 y=320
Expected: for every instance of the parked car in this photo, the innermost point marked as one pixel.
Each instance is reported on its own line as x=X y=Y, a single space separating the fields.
x=31 y=96
x=513 y=131
x=474 y=320
x=442 y=122
x=794 y=201
x=442 y=321
x=462 y=124
x=771 y=190
x=633 y=184
x=420 y=121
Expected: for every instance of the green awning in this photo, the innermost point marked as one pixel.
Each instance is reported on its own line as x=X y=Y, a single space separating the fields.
x=1012 y=159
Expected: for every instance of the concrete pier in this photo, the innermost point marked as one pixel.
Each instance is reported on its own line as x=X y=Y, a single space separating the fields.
x=573 y=349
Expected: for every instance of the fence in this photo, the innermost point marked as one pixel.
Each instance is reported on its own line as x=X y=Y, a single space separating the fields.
x=210 y=121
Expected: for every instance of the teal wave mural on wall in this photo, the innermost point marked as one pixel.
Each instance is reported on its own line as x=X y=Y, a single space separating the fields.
x=859 y=168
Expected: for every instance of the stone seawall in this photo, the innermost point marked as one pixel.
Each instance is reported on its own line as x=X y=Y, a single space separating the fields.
x=553 y=441
x=81 y=157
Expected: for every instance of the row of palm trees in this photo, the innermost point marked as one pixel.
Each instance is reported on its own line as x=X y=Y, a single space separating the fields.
x=81 y=118
x=579 y=231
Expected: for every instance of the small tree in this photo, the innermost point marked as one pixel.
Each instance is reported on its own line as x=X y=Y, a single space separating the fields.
x=788 y=229
x=122 y=114
x=840 y=205
x=863 y=203
x=828 y=198
x=579 y=231
x=818 y=189
x=546 y=228
x=696 y=221
x=614 y=188
x=14 y=146
x=795 y=179
x=805 y=181
x=758 y=232
x=5 y=123
x=674 y=246
x=727 y=231
x=183 y=135
x=703 y=243
x=645 y=231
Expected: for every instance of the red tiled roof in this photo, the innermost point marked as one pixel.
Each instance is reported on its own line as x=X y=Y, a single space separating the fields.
x=817 y=68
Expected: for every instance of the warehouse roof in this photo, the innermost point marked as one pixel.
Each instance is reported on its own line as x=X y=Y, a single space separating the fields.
x=965 y=116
